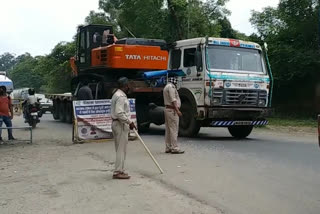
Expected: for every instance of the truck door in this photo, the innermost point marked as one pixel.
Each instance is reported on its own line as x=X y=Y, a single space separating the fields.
x=192 y=67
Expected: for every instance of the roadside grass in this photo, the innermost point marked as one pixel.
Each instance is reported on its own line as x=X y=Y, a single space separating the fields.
x=292 y=122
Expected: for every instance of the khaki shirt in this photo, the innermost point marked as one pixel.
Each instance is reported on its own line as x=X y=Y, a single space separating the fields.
x=120 y=108
x=170 y=94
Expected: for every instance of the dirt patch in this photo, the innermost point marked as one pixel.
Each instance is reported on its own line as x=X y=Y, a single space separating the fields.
x=295 y=130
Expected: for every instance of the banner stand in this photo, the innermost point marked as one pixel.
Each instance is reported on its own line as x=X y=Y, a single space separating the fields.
x=92 y=121
x=76 y=140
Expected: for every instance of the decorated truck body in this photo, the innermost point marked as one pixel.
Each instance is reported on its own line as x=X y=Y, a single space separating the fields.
x=222 y=82
x=228 y=83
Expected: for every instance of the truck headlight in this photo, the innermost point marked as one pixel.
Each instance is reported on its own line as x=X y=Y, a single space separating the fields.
x=262 y=102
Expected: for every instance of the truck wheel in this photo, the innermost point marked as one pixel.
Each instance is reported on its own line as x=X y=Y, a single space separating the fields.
x=188 y=125
x=69 y=112
x=62 y=111
x=55 y=110
x=142 y=115
x=240 y=132
x=143 y=128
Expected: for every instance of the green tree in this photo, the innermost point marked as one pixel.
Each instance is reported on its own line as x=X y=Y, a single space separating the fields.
x=7 y=61
x=291 y=31
x=50 y=73
x=97 y=18
x=23 y=73
x=166 y=19
x=56 y=68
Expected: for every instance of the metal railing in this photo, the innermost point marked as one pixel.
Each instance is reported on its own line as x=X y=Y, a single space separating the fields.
x=22 y=127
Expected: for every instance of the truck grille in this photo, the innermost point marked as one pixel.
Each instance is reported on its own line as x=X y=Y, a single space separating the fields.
x=239 y=96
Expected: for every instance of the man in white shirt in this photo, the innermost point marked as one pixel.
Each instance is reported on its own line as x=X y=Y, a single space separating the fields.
x=30 y=100
x=121 y=124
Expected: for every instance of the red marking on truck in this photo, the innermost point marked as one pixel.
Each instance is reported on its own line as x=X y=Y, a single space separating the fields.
x=234 y=43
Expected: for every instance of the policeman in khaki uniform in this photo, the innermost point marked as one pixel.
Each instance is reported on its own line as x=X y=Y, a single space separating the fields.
x=172 y=114
x=121 y=124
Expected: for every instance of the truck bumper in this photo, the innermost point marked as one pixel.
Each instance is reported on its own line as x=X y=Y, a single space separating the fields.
x=225 y=117
x=239 y=113
x=227 y=123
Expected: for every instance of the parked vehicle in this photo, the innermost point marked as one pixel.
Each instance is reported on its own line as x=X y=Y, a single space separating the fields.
x=20 y=94
x=46 y=104
x=223 y=82
x=5 y=81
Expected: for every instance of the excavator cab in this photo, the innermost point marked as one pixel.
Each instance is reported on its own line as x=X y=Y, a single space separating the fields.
x=88 y=38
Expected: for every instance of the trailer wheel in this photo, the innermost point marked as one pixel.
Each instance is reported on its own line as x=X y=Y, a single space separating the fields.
x=68 y=112
x=142 y=115
x=56 y=109
x=240 y=132
x=143 y=128
x=188 y=125
x=62 y=111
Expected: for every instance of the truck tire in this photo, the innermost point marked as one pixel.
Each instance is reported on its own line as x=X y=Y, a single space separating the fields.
x=143 y=128
x=188 y=124
x=55 y=110
x=142 y=115
x=68 y=112
x=240 y=132
x=62 y=111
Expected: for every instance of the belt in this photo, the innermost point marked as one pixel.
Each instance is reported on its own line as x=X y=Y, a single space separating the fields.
x=170 y=107
x=115 y=119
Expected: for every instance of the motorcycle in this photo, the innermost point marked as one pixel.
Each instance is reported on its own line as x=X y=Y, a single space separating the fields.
x=32 y=114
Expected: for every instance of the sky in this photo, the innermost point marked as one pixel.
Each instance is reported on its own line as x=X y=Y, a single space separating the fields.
x=36 y=26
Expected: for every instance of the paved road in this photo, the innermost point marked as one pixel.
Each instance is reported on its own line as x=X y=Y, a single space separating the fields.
x=271 y=172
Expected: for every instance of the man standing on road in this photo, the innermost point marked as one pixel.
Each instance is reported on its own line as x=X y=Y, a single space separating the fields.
x=85 y=92
x=6 y=112
x=121 y=123
x=171 y=115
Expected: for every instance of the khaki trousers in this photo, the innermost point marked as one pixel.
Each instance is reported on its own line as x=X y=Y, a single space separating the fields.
x=120 y=133
x=172 y=126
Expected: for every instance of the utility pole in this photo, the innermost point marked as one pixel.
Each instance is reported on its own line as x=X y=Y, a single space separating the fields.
x=319 y=24
x=189 y=18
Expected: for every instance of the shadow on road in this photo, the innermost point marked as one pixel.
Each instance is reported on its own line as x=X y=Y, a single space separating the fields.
x=156 y=131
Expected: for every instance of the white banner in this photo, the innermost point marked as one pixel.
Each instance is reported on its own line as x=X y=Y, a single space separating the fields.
x=94 y=118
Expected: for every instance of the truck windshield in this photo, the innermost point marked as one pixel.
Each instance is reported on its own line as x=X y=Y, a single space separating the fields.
x=235 y=59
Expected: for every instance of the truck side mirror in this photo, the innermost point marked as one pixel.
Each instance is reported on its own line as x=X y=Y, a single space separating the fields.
x=175 y=59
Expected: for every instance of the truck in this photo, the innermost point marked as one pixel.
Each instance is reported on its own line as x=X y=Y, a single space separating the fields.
x=5 y=81
x=221 y=82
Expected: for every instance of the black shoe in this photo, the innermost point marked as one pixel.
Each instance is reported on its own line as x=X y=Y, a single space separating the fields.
x=11 y=138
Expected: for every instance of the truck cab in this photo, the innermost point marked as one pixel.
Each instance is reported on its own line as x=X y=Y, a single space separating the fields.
x=227 y=83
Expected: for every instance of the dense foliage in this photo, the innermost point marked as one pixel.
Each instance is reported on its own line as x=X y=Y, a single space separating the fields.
x=50 y=73
x=292 y=33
